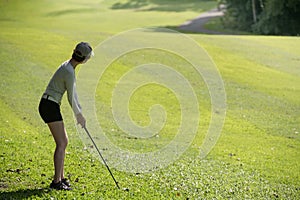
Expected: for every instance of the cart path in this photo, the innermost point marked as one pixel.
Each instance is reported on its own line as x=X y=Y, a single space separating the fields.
x=197 y=25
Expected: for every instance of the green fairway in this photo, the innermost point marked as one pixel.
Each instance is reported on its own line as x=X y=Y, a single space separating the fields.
x=257 y=154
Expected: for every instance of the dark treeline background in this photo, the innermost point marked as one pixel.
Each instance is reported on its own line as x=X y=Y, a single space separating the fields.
x=270 y=17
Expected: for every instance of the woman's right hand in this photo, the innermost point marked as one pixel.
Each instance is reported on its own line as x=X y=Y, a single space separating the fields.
x=80 y=120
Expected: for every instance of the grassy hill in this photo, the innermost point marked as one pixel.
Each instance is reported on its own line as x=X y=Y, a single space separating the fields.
x=256 y=156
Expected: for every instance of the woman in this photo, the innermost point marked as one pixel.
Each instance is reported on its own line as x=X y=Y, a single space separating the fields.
x=49 y=109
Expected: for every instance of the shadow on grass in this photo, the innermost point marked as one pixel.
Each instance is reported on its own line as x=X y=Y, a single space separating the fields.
x=70 y=11
x=165 y=5
x=178 y=30
x=23 y=193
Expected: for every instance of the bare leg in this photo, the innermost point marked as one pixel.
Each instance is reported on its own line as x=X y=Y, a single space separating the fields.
x=62 y=175
x=61 y=139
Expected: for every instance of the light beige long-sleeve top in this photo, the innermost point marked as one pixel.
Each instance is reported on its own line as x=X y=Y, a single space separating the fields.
x=64 y=80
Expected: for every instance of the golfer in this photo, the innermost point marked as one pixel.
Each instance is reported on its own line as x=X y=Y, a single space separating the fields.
x=49 y=108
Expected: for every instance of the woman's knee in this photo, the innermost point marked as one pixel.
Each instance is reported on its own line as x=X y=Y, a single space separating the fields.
x=62 y=143
x=60 y=134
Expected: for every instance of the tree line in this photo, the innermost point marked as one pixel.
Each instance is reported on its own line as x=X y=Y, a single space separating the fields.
x=269 y=17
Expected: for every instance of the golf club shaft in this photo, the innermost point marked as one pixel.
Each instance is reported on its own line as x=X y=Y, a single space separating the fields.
x=101 y=156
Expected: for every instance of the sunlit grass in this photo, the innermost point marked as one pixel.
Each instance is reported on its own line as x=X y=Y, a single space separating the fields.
x=256 y=157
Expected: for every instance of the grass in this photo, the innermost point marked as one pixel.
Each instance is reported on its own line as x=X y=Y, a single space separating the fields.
x=256 y=157
x=216 y=24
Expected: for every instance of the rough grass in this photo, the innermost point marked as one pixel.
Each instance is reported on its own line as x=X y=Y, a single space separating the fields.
x=256 y=157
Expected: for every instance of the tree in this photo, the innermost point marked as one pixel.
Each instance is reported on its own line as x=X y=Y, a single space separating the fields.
x=280 y=17
x=239 y=14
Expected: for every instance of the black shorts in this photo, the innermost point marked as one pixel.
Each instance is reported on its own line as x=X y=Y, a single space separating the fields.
x=49 y=111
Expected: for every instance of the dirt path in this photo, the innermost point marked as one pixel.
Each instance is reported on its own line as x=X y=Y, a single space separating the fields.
x=197 y=24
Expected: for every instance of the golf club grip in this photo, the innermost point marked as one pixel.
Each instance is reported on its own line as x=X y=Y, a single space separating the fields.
x=101 y=156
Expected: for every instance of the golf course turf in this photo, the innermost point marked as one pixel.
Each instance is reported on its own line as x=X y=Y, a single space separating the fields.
x=258 y=151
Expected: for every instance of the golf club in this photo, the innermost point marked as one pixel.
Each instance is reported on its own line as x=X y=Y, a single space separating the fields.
x=101 y=156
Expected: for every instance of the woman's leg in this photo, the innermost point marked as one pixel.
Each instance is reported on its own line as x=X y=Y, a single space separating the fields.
x=62 y=175
x=61 y=139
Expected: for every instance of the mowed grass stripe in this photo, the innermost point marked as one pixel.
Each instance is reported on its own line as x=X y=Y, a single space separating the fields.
x=255 y=158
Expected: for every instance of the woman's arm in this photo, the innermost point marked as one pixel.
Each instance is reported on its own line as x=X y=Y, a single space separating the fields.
x=73 y=100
